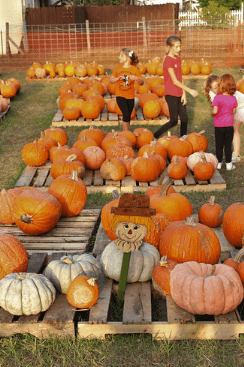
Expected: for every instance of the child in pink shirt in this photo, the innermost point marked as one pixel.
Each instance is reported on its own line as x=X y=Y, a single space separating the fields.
x=224 y=105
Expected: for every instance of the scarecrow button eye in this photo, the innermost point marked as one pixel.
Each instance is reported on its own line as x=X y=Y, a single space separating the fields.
x=126 y=226
x=135 y=228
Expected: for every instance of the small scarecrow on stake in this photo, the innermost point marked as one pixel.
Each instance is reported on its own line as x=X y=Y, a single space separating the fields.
x=131 y=222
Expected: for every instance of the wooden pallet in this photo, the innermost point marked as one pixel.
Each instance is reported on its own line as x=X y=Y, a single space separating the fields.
x=40 y=177
x=107 y=119
x=47 y=78
x=3 y=114
x=174 y=324
x=69 y=234
x=57 y=321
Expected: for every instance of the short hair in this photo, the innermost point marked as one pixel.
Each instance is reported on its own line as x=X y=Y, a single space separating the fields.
x=227 y=84
x=172 y=39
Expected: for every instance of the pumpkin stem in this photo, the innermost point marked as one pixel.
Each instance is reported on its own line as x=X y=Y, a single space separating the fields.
x=211 y=200
x=163 y=262
x=201 y=132
x=19 y=277
x=67 y=260
x=71 y=157
x=237 y=258
x=26 y=218
x=190 y=221
x=165 y=187
x=210 y=273
x=74 y=175
x=91 y=281
x=203 y=157
x=145 y=155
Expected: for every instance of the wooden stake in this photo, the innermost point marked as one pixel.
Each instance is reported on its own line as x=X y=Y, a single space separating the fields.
x=123 y=275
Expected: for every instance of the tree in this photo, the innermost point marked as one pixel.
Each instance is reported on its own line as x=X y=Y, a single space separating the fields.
x=214 y=10
x=230 y=4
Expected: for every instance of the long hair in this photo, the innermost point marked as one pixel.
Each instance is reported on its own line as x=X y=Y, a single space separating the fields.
x=210 y=79
x=227 y=84
x=133 y=57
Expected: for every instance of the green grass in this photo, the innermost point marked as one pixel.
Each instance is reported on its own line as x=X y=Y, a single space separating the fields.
x=31 y=112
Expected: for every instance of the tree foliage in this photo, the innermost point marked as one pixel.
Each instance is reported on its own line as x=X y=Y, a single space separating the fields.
x=229 y=4
x=214 y=10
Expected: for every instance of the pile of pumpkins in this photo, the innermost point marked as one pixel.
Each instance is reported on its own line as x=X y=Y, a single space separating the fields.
x=8 y=89
x=189 y=269
x=114 y=154
x=86 y=98
x=23 y=293
x=155 y=67
x=64 y=69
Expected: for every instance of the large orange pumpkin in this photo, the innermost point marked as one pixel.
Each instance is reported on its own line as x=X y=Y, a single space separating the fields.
x=36 y=212
x=198 y=141
x=64 y=166
x=145 y=168
x=93 y=133
x=58 y=134
x=34 y=154
x=7 y=202
x=71 y=192
x=189 y=241
x=233 y=224
x=13 y=255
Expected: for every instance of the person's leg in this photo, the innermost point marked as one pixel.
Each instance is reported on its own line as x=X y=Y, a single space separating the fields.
x=126 y=106
x=183 y=119
x=228 y=138
x=237 y=138
x=219 y=143
x=173 y=104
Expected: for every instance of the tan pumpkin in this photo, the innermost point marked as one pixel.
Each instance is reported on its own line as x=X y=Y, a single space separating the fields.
x=113 y=169
x=192 y=286
x=94 y=157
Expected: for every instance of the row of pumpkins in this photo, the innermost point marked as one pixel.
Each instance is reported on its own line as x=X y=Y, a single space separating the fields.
x=154 y=66
x=86 y=97
x=8 y=89
x=64 y=69
x=114 y=154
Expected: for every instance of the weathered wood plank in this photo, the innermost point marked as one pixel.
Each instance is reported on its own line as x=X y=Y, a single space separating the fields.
x=99 y=312
x=41 y=177
x=137 y=304
x=26 y=177
x=87 y=178
x=36 y=262
x=177 y=314
x=101 y=242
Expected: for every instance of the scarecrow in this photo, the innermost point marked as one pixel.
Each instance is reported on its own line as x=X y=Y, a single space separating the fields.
x=131 y=222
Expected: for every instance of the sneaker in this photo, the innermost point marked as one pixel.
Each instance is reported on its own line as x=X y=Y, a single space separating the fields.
x=235 y=157
x=219 y=165
x=230 y=166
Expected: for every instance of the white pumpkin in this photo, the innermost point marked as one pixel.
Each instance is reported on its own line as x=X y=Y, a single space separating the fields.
x=196 y=157
x=26 y=293
x=61 y=272
x=141 y=264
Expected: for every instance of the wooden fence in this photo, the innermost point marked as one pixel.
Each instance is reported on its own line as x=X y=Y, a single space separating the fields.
x=100 y=14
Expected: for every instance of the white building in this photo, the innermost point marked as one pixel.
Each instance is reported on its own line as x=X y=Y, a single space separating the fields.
x=159 y=2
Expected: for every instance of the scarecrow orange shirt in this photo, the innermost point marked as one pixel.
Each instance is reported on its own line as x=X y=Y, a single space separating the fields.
x=122 y=90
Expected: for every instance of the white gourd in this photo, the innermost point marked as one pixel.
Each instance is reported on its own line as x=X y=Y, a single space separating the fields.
x=61 y=272
x=141 y=264
x=26 y=293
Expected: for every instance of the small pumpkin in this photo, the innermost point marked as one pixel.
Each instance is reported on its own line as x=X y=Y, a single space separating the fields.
x=58 y=134
x=34 y=154
x=203 y=170
x=161 y=275
x=94 y=157
x=64 y=166
x=198 y=141
x=93 y=133
x=237 y=263
x=145 y=168
x=63 y=271
x=83 y=292
x=211 y=214
x=206 y=289
x=177 y=170
x=113 y=169
x=26 y=293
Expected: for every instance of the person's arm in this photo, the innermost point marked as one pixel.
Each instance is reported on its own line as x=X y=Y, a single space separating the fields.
x=113 y=79
x=176 y=82
x=214 y=110
x=183 y=98
x=137 y=79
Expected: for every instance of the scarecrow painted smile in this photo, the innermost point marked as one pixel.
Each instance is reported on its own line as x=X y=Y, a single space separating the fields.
x=130 y=232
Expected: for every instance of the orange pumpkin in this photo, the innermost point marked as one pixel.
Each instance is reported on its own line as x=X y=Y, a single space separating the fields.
x=198 y=141
x=84 y=142
x=233 y=224
x=175 y=205
x=91 y=110
x=93 y=133
x=119 y=150
x=143 y=136
x=203 y=170
x=7 y=202
x=211 y=213
x=180 y=147
x=151 y=109
x=64 y=166
x=71 y=113
x=57 y=134
x=161 y=275
x=36 y=211
x=236 y=262
x=160 y=222
x=82 y=292
x=71 y=192
x=94 y=157
x=113 y=169
x=34 y=154
x=177 y=170
x=13 y=255
x=185 y=240
x=145 y=168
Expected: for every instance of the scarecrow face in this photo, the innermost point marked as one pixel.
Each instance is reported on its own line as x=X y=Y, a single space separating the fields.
x=130 y=232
